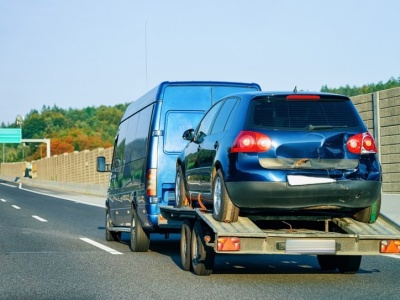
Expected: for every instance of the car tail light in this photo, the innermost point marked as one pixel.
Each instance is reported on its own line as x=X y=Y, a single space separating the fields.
x=303 y=97
x=151 y=183
x=361 y=143
x=250 y=141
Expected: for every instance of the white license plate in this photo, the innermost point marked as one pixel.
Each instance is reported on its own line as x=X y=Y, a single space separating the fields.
x=306 y=180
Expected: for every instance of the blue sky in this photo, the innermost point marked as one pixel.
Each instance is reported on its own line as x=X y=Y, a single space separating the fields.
x=79 y=53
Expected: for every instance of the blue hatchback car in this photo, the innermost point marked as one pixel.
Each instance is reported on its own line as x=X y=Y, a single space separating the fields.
x=274 y=154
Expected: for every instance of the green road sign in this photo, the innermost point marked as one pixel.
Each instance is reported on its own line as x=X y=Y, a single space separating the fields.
x=10 y=135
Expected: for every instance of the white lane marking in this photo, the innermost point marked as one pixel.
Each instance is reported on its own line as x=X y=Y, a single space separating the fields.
x=13 y=186
x=393 y=255
x=59 y=197
x=39 y=218
x=3 y=200
x=16 y=207
x=101 y=246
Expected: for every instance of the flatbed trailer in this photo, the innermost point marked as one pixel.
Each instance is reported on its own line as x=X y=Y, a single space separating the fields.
x=338 y=243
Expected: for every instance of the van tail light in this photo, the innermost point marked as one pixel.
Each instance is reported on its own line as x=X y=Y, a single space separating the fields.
x=251 y=141
x=361 y=143
x=151 y=183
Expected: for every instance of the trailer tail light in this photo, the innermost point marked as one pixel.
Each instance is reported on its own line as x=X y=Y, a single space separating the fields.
x=361 y=143
x=251 y=141
x=390 y=246
x=151 y=183
x=228 y=244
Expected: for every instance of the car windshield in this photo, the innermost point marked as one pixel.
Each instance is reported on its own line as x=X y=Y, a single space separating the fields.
x=304 y=115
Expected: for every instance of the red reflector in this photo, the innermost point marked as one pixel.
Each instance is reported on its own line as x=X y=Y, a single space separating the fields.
x=390 y=246
x=228 y=244
x=303 y=97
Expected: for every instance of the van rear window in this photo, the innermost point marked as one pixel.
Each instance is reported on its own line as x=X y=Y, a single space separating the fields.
x=176 y=123
x=299 y=115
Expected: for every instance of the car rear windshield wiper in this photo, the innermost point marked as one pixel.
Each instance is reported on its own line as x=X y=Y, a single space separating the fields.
x=321 y=127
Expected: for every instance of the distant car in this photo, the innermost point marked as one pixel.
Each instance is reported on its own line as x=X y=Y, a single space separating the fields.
x=266 y=154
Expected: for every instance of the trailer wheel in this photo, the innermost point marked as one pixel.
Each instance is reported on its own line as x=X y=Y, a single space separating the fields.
x=328 y=262
x=369 y=214
x=186 y=236
x=202 y=256
x=180 y=191
x=111 y=235
x=223 y=208
x=349 y=264
x=140 y=240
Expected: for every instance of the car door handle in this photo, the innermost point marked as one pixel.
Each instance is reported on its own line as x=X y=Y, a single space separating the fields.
x=216 y=145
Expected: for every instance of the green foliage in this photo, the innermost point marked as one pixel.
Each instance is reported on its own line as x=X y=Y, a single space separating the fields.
x=365 y=89
x=68 y=129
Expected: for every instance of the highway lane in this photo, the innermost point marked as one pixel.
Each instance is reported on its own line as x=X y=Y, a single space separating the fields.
x=47 y=258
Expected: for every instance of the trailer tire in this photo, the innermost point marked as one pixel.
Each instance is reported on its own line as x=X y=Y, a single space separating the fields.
x=180 y=190
x=349 y=264
x=327 y=262
x=223 y=208
x=186 y=236
x=369 y=214
x=111 y=235
x=140 y=239
x=202 y=256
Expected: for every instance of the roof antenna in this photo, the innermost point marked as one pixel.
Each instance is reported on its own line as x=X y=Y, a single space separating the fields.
x=295 y=89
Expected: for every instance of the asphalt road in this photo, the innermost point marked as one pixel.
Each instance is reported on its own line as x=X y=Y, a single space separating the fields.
x=51 y=248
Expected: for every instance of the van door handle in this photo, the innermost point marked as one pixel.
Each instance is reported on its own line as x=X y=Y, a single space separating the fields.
x=216 y=145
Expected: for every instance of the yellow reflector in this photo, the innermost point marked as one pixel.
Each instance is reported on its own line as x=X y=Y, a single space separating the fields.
x=390 y=246
x=228 y=244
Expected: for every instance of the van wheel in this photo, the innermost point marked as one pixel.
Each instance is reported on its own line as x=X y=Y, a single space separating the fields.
x=180 y=190
x=203 y=257
x=140 y=239
x=111 y=235
x=369 y=214
x=223 y=208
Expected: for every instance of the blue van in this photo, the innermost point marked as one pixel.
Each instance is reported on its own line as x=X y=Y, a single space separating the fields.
x=147 y=144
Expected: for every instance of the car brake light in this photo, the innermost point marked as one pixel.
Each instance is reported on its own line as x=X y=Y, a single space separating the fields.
x=151 y=183
x=303 y=97
x=250 y=141
x=361 y=143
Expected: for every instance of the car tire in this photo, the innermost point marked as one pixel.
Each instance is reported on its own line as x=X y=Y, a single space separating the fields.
x=202 y=256
x=111 y=235
x=180 y=190
x=369 y=214
x=140 y=239
x=223 y=208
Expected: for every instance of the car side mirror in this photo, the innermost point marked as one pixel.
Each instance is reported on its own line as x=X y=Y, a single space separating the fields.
x=188 y=135
x=101 y=164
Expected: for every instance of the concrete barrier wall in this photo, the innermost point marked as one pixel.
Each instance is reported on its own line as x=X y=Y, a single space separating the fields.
x=76 y=171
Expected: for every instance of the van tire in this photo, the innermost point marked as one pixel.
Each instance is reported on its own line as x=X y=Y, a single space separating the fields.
x=140 y=239
x=180 y=190
x=369 y=214
x=223 y=208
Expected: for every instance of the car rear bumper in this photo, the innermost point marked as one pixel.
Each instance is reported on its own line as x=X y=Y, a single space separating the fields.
x=279 y=195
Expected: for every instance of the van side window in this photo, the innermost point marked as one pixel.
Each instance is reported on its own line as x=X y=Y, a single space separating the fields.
x=177 y=123
x=120 y=146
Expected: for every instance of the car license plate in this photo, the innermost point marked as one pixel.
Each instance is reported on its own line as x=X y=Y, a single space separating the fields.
x=295 y=180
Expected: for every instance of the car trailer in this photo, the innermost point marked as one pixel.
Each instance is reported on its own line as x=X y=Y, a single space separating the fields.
x=338 y=243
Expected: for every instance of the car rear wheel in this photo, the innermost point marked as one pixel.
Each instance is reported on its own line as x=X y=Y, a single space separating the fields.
x=369 y=214
x=180 y=190
x=223 y=208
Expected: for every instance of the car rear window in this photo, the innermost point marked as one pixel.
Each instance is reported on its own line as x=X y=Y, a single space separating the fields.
x=323 y=114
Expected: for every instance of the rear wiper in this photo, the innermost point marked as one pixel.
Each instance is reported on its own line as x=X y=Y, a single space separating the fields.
x=321 y=127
